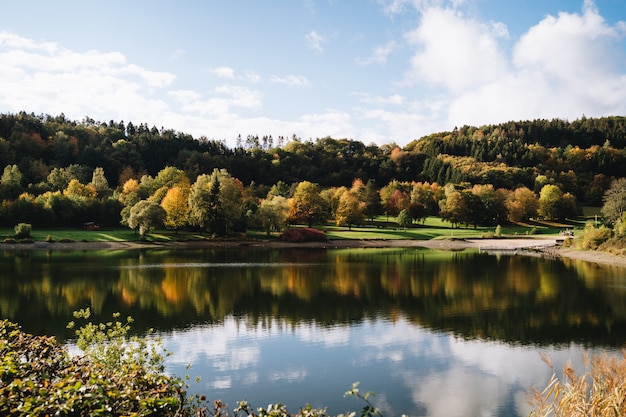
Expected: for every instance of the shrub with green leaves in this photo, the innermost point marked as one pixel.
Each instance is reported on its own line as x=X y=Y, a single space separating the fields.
x=593 y=236
x=23 y=229
x=116 y=375
x=39 y=377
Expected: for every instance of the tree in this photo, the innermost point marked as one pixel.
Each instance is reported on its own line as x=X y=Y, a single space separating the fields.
x=279 y=189
x=99 y=182
x=198 y=201
x=176 y=205
x=216 y=202
x=11 y=182
x=549 y=202
x=272 y=214
x=521 y=204
x=404 y=219
x=146 y=216
x=371 y=198
x=216 y=222
x=454 y=208
x=350 y=210
x=614 y=200
x=307 y=206
x=75 y=190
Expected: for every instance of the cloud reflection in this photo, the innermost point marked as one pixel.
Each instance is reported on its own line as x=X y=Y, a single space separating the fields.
x=431 y=373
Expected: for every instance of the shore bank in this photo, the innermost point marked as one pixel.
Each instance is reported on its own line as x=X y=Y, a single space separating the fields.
x=549 y=245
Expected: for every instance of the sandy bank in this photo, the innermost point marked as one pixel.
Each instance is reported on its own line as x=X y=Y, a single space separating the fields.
x=549 y=245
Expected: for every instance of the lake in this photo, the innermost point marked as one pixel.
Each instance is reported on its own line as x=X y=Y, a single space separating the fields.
x=432 y=333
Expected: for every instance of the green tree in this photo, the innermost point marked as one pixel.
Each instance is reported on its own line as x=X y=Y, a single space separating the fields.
x=198 y=202
x=280 y=189
x=99 y=182
x=272 y=214
x=216 y=220
x=614 y=200
x=11 y=182
x=307 y=206
x=554 y=204
x=146 y=216
x=404 y=219
x=371 y=198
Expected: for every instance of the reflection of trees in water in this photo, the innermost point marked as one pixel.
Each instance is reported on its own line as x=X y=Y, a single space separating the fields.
x=511 y=298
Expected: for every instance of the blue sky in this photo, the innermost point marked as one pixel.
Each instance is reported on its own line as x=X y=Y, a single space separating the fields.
x=377 y=71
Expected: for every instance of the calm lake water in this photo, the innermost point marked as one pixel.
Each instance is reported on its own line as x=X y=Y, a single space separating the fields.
x=433 y=333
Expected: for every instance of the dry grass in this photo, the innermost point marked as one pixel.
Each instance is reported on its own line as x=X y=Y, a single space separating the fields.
x=599 y=392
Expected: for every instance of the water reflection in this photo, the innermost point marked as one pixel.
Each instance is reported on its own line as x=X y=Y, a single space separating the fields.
x=433 y=333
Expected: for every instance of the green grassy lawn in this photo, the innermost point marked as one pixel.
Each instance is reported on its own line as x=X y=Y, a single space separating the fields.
x=121 y=234
x=381 y=228
x=435 y=228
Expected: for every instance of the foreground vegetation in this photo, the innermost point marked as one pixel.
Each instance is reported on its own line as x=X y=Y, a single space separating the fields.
x=114 y=375
x=118 y=375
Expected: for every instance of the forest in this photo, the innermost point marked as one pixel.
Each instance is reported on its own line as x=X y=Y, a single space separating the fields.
x=61 y=172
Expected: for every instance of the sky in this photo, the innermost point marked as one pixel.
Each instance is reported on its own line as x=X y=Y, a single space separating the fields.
x=376 y=71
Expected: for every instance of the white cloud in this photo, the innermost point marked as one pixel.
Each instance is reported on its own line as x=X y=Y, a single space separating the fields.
x=291 y=80
x=394 y=99
x=379 y=55
x=453 y=51
x=224 y=72
x=252 y=76
x=315 y=41
x=564 y=66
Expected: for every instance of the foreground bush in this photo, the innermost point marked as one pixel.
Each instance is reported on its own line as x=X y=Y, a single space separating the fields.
x=599 y=392
x=39 y=377
x=116 y=375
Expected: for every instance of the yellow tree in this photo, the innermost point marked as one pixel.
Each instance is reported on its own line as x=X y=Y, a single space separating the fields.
x=350 y=210
x=176 y=205
x=76 y=190
x=307 y=206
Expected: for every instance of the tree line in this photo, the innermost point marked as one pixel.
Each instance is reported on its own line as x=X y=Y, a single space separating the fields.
x=59 y=172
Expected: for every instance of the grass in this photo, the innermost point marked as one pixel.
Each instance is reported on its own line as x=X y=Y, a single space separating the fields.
x=435 y=228
x=381 y=228
x=120 y=234
x=599 y=391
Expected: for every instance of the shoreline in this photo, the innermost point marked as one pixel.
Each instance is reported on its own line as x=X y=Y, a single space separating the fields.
x=548 y=246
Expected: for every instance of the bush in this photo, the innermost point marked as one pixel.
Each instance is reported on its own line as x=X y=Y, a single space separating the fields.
x=116 y=375
x=303 y=234
x=23 y=229
x=592 y=236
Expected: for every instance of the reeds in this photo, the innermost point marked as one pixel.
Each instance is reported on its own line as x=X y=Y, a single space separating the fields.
x=599 y=392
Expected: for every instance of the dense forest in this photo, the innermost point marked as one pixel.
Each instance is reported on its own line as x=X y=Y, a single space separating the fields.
x=42 y=154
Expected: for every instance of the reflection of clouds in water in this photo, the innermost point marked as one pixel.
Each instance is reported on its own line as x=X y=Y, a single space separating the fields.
x=396 y=341
x=221 y=383
x=290 y=375
x=222 y=345
x=328 y=337
x=457 y=392
x=444 y=374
